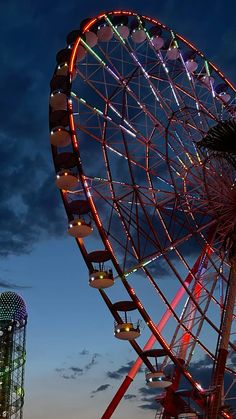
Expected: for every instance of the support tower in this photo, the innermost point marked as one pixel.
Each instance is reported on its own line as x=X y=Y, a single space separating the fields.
x=13 y=319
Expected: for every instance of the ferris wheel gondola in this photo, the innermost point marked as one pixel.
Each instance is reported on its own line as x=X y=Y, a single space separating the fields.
x=144 y=111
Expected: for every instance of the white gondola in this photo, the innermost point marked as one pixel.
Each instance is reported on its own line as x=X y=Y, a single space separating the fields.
x=60 y=137
x=225 y=97
x=91 y=39
x=58 y=101
x=173 y=53
x=208 y=81
x=104 y=33
x=157 y=42
x=79 y=228
x=101 y=279
x=66 y=180
x=138 y=35
x=157 y=379
x=62 y=70
x=81 y=53
x=123 y=31
x=191 y=65
x=126 y=331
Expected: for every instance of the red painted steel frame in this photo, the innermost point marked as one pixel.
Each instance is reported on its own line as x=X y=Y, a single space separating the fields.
x=108 y=246
x=160 y=326
x=155 y=329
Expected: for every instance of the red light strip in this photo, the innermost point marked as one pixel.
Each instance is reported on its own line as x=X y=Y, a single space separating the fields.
x=75 y=139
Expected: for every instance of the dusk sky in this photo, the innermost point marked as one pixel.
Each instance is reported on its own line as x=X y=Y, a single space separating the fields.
x=74 y=364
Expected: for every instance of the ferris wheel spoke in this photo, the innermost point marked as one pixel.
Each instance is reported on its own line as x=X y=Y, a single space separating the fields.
x=99 y=114
x=123 y=84
x=132 y=108
x=126 y=45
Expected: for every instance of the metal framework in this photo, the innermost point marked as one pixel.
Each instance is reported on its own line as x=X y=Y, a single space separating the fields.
x=130 y=101
x=13 y=319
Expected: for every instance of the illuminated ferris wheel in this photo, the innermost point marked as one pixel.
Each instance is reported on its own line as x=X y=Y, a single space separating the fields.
x=143 y=141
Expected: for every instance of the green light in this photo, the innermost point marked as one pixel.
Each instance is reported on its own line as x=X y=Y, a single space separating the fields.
x=20 y=391
x=92 y=52
x=207 y=68
x=98 y=111
x=115 y=30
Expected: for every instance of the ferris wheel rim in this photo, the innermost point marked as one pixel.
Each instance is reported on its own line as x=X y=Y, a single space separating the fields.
x=87 y=27
x=82 y=175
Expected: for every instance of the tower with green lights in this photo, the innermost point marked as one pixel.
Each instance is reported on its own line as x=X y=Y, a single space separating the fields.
x=13 y=320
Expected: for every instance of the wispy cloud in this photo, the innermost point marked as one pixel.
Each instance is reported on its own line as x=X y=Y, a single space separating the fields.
x=84 y=352
x=92 y=362
x=129 y=396
x=148 y=398
x=11 y=285
x=101 y=388
x=70 y=373
x=120 y=372
x=69 y=377
x=74 y=371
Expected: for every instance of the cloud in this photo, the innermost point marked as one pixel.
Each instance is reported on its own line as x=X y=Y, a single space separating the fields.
x=59 y=369
x=129 y=396
x=113 y=374
x=84 y=352
x=67 y=374
x=120 y=372
x=29 y=202
x=148 y=397
x=76 y=370
x=92 y=362
x=146 y=391
x=72 y=372
x=151 y=404
x=103 y=387
x=69 y=377
x=11 y=285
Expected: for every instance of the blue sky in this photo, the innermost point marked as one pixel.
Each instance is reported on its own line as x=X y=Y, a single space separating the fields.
x=70 y=342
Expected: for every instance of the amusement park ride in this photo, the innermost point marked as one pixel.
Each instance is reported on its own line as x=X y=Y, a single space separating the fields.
x=13 y=320
x=143 y=141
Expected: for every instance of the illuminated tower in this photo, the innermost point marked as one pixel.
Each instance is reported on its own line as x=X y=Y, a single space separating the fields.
x=13 y=319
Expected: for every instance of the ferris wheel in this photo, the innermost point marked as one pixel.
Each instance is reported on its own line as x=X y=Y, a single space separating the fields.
x=143 y=141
